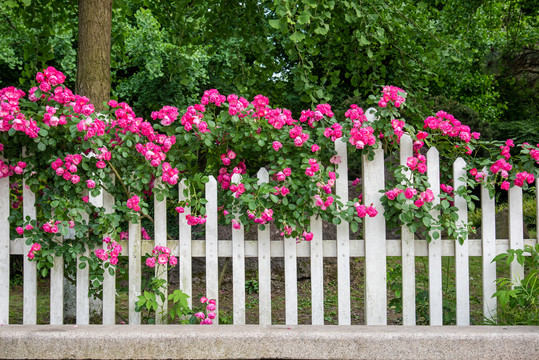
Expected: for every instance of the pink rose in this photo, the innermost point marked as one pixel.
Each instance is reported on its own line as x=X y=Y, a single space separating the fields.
x=90 y=184
x=150 y=262
x=19 y=230
x=162 y=259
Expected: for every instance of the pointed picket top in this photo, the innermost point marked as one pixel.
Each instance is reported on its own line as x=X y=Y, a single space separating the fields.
x=371 y=114
x=263 y=176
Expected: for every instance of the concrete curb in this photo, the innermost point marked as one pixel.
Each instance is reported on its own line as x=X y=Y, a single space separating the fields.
x=272 y=342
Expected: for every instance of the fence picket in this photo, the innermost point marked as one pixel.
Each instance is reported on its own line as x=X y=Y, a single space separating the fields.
x=462 y=271
x=264 y=265
x=343 y=238
x=212 y=244
x=184 y=247
x=160 y=239
x=435 y=245
x=488 y=235
x=109 y=281
x=317 y=272
x=290 y=281
x=135 y=271
x=408 y=251
x=57 y=289
x=375 y=242
x=4 y=250
x=30 y=271
x=238 y=268
x=516 y=231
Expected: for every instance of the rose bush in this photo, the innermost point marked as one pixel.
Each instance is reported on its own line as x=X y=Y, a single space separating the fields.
x=66 y=153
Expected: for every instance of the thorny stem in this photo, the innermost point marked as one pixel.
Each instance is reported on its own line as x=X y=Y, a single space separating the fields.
x=119 y=178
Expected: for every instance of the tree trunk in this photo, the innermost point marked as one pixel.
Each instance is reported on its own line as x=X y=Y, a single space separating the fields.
x=93 y=57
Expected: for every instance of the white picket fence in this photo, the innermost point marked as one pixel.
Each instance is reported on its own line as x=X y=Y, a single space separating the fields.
x=374 y=248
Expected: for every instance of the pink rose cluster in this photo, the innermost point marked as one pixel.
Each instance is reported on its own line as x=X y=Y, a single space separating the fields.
x=10 y=111
x=48 y=78
x=35 y=247
x=224 y=178
x=523 y=177
x=170 y=174
x=417 y=162
x=206 y=319
x=51 y=119
x=362 y=210
x=398 y=128
x=167 y=115
x=392 y=94
x=236 y=105
x=281 y=175
x=212 y=96
x=311 y=116
x=133 y=203
x=265 y=216
x=323 y=204
x=68 y=167
x=426 y=196
x=195 y=220
x=334 y=132
x=449 y=126
x=307 y=236
x=161 y=255
x=327 y=187
x=51 y=227
x=193 y=117
x=359 y=136
x=299 y=137
x=480 y=175
x=20 y=229
x=534 y=153
x=113 y=251
x=313 y=168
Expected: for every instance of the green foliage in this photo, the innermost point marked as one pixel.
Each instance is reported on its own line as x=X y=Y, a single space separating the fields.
x=519 y=298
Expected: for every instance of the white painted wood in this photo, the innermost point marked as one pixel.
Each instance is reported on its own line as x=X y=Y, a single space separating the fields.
x=160 y=239
x=537 y=208
x=357 y=247
x=375 y=238
x=135 y=271
x=516 y=231
x=264 y=265
x=30 y=271
x=109 y=281
x=212 y=244
x=343 y=238
x=290 y=281
x=317 y=272
x=57 y=289
x=185 y=247
x=462 y=270
x=4 y=250
x=408 y=253
x=83 y=282
x=238 y=268
x=488 y=235
x=435 y=245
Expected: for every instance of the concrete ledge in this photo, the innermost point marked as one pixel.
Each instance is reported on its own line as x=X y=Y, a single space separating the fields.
x=272 y=342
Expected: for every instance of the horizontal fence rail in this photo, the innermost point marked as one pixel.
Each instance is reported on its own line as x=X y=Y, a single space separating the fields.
x=374 y=249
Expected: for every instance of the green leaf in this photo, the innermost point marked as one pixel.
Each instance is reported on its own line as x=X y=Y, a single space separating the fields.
x=321 y=30
x=276 y=24
x=41 y=146
x=297 y=36
x=305 y=17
